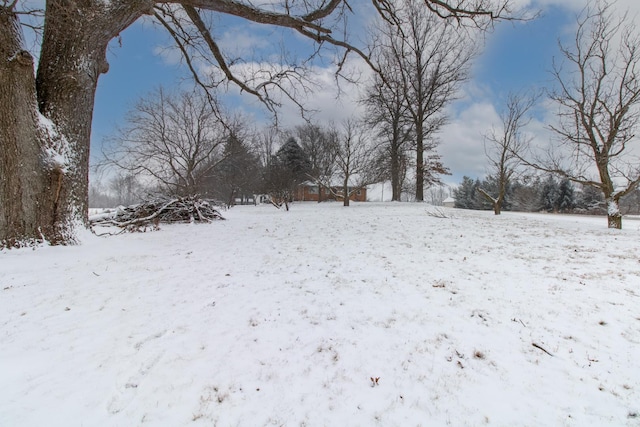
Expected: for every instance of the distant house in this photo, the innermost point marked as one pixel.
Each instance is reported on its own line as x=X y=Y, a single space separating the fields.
x=312 y=192
x=247 y=199
x=449 y=202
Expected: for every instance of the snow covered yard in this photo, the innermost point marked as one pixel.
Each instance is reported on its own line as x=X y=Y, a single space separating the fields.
x=276 y=318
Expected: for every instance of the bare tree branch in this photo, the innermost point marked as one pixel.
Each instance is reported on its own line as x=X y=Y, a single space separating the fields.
x=505 y=146
x=429 y=58
x=175 y=140
x=217 y=54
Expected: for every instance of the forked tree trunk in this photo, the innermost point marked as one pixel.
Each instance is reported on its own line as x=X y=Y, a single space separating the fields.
x=496 y=203
x=45 y=124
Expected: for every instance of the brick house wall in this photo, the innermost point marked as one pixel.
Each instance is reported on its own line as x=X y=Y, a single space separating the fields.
x=314 y=193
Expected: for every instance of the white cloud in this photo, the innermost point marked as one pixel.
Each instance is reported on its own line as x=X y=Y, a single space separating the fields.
x=328 y=100
x=620 y=6
x=334 y=100
x=462 y=139
x=239 y=41
x=170 y=55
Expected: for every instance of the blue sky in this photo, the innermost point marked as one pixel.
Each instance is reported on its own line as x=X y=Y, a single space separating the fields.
x=135 y=69
x=517 y=56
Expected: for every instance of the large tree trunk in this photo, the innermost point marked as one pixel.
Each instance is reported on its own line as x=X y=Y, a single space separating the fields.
x=345 y=192
x=23 y=177
x=614 y=217
x=44 y=151
x=497 y=208
x=70 y=64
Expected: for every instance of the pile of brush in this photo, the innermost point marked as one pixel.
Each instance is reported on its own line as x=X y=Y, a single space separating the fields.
x=162 y=209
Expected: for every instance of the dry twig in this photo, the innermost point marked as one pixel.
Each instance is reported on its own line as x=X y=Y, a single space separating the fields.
x=541 y=348
x=162 y=209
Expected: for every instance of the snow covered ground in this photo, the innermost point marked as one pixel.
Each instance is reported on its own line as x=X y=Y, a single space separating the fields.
x=282 y=318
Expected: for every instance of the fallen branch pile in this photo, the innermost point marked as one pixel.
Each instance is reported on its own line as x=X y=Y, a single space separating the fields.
x=162 y=209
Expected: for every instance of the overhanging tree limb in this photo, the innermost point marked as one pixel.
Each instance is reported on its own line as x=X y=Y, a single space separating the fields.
x=217 y=54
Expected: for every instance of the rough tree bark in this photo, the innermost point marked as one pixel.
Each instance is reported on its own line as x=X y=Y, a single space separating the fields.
x=23 y=180
x=45 y=166
x=70 y=65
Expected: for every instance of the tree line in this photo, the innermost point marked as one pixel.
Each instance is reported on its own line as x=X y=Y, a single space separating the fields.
x=541 y=194
x=184 y=144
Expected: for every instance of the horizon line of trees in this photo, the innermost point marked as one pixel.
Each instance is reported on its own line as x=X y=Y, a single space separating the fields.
x=174 y=145
x=597 y=101
x=540 y=193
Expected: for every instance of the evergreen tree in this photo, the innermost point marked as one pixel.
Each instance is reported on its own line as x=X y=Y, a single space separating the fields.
x=565 y=201
x=525 y=194
x=479 y=202
x=295 y=160
x=630 y=204
x=465 y=194
x=590 y=201
x=549 y=195
x=237 y=174
x=288 y=168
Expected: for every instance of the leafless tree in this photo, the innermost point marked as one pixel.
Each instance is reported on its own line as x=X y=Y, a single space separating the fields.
x=288 y=168
x=598 y=97
x=387 y=114
x=126 y=189
x=237 y=174
x=265 y=142
x=114 y=188
x=438 y=194
x=45 y=120
x=354 y=161
x=175 y=139
x=430 y=58
x=505 y=145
